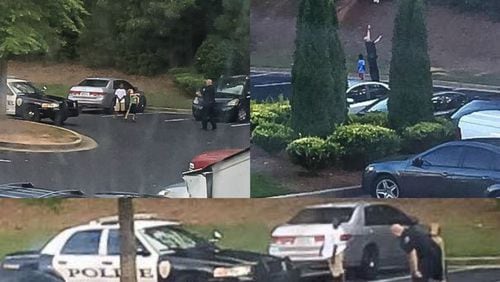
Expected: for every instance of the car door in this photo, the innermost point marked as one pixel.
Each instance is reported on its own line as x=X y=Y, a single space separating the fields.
x=146 y=261
x=397 y=257
x=11 y=102
x=79 y=259
x=475 y=175
x=376 y=91
x=376 y=232
x=430 y=178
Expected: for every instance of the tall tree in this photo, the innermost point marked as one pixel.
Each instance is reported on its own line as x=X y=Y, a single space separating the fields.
x=410 y=74
x=318 y=103
x=33 y=26
x=127 y=240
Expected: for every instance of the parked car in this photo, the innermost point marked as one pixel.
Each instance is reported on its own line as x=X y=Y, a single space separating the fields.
x=477 y=105
x=359 y=95
x=370 y=245
x=445 y=104
x=481 y=124
x=166 y=252
x=458 y=169
x=100 y=93
x=30 y=103
x=232 y=97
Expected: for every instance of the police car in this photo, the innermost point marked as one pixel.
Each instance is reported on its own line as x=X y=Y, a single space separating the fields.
x=165 y=252
x=30 y=103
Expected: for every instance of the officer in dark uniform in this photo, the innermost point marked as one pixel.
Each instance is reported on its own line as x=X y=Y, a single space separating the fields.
x=208 y=112
x=423 y=253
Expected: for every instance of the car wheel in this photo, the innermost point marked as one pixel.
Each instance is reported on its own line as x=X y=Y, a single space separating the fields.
x=369 y=263
x=59 y=119
x=242 y=115
x=31 y=113
x=495 y=195
x=386 y=187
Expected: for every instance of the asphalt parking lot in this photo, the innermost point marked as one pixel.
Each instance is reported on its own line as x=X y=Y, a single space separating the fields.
x=132 y=157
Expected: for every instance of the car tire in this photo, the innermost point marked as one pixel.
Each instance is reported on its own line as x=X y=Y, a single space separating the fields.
x=242 y=115
x=59 y=119
x=369 y=263
x=386 y=187
x=31 y=113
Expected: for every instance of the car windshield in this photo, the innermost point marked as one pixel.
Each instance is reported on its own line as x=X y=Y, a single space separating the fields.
x=165 y=238
x=231 y=86
x=380 y=106
x=94 y=83
x=25 y=88
x=322 y=216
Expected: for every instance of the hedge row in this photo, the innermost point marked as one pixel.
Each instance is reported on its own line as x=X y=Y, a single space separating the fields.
x=187 y=79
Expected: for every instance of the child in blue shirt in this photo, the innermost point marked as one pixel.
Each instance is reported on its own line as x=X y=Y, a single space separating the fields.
x=361 y=67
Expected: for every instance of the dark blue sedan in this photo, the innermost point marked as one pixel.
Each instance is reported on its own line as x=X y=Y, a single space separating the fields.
x=459 y=169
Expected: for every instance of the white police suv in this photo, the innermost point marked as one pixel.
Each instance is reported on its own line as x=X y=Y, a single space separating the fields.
x=165 y=252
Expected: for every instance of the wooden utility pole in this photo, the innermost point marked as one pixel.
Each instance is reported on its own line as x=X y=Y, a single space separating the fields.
x=127 y=240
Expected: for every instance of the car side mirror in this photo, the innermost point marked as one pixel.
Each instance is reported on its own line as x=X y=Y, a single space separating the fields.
x=350 y=101
x=418 y=162
x=142 y=252
x=216 y=236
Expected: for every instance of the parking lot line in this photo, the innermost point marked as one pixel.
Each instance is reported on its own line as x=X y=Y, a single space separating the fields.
x=240 y=124
x=5 y=161
x=176 y=119
x=457 y=270
x=154 y=113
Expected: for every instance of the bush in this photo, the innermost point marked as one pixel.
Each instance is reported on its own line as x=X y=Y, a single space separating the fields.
x=189 y=81
x=363 y=144
x=310 y=153
x=272 y=137
x=379 y=119
x=425 y=135
x=217 y=56
x=278 y=112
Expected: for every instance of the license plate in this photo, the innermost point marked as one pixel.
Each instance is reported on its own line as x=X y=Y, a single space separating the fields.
x=304 y=241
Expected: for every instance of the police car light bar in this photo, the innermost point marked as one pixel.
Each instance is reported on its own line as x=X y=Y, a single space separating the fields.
x=114 y=219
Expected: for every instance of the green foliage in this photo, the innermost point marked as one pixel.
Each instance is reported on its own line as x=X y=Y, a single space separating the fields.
x=272 y=137
x=278 y=112
x=312 y=153
x=410 y=77
x=318 y=73
x=364 y=143
x=32 y=26
x=189 y=81
x=426 y=135
x=379 y=119
x=216 y=57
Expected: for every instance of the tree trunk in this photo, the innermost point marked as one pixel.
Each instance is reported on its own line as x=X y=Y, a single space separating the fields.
x=127 y=240
x=3 y=87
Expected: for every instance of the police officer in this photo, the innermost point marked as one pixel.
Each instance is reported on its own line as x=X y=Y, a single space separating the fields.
x=424 y=254
x=208 y=112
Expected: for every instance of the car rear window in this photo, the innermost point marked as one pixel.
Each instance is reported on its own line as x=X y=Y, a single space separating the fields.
x=94 y=83
x=322 y=215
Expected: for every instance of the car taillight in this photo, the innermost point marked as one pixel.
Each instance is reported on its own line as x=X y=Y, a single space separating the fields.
x=283 y=240
x=319 y=239
x=72 y=92
x=458 y=133
x=345 y=237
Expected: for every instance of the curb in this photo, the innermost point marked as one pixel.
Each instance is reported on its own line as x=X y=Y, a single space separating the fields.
x=44 y=147
x=340 y=192
x=461 y=261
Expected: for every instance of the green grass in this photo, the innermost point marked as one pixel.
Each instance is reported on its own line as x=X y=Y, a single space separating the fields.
x=470 y=241
x=14 y=241
x=265 y=186
x=172 y=98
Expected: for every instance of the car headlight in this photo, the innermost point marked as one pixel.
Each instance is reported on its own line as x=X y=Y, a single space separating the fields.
x=196 y=101
x=233 y=102
x=50 y=105
x=369 y=168
x=236 y=271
